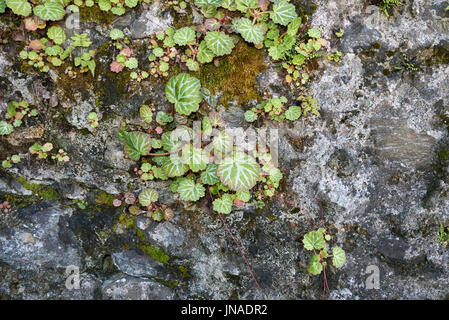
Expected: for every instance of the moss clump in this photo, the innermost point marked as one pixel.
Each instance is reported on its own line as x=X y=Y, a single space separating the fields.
x=43 y=192
x=236 y=74
x=94 y=14
x=440 y=55
x=105 y=198
x=155 y=253
x=184 y=271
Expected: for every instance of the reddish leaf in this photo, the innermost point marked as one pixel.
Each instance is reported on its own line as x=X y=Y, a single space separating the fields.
x=30 y=24
x=126 y=51
x=35 y=45
x=116 y=67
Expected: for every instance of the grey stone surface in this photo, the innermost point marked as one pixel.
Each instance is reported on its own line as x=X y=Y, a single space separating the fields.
x=372 y=167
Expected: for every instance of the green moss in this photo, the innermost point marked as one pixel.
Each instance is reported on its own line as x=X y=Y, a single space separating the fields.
x=44 y=192
x=236 y=74
x=444 y=155
x=105 y=198
x=440 y=55
x=184 y=271
x=170 y=284
x=94 y=14
x=126 y=220
x=155 y=253
x=271 y=217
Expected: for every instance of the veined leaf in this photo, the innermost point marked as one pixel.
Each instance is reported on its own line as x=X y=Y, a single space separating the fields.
x=239 y=171
x=56 y=34
x=293 y=113
x=244 y=5
x=283 y=13
x=204 y=55
x=315 y=267
x=147 y=197
x=174 y=166
x=189 y=190
x=200 y=3
x=50 y=11
x=19 y=7
x=244 y=195
x=137 y=144
x=146 y=113
x=223 y=205
x=184 y=36
x=185 y=92
x=293 y=27
x=2 y=6
x=338 y=257
x=196 y=158
x=219 y=43
x=250 y=32
x=5 y=128
x=222 y=142
x=250 y=116
x=314 y=240
x=314 y=33
x=116 y=34
x=209 y=176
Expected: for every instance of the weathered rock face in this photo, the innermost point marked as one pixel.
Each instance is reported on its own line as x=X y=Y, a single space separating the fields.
x=373 y=168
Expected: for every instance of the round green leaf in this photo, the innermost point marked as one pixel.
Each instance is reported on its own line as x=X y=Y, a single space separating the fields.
x=146 y=113
x=315 y=267
x=147 y=197
x=174 y=166
x=50 y=11
x=185 y=92
x=250 y=116
x=239 y=171
x=204 y=55
x=293 y=113
x=184 y=36
x=190 y=191
x=219 y=43
x=5 y=128
x=223 y=205
x=209 y=176
x=56 y=34
x=116 y=34
x=250 y=32
x=137 y=144
x=314 y=240
x=338 y=257
x=19 y=7
x=283 y=13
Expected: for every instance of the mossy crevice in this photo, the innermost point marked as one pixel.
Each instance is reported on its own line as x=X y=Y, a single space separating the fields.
x=235 y=76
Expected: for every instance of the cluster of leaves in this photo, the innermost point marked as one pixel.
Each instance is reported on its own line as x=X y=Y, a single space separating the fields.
x=124 y=59
x=48 y=10
x=406 y=64
x=147 y=201
x=316 y=241
x=93 y=119
x=199 y=160
x=275 y=108
x=48 y=51
x=443 y=236
x=15 y=114
x=41 y=150
x=118 y=7
x=5 y=205
x=7 y=163
x=386 y=5
x=61 y=156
